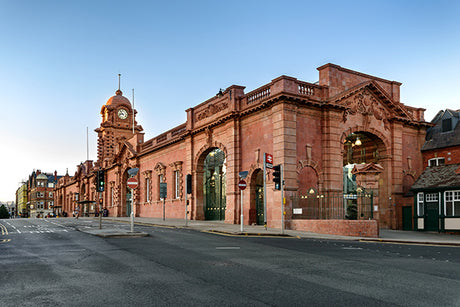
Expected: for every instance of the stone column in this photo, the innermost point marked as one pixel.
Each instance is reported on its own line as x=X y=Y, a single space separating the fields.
x=284 y=118
x=332 y=151
x=232 y=215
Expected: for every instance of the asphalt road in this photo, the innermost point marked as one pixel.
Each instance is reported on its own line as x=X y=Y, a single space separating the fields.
x=47 y=262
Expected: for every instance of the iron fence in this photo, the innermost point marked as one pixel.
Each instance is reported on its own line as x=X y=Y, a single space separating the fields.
x=333 y=205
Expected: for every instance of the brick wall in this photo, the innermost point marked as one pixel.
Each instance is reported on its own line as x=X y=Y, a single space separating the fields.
x=361 y=228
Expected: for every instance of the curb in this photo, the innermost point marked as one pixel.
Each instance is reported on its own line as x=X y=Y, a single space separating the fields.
x=392 y=241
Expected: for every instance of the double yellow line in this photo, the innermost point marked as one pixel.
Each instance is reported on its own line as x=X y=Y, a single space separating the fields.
x=4 y=233
x=4 y=230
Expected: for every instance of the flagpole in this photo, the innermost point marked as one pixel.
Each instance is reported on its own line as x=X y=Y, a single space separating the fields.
x=133 y=111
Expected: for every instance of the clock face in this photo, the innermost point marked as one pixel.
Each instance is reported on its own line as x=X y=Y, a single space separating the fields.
x=122 y=113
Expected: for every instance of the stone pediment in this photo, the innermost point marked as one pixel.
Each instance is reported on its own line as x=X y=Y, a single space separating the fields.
x=125 y=153
x=367 y=168
x=369 y=99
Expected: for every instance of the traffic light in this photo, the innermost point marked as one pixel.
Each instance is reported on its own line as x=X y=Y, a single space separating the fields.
x=277 y=176
x=188 y=180
x=100 y=180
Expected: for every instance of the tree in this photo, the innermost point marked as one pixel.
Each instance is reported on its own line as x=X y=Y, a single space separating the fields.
x=4 y=212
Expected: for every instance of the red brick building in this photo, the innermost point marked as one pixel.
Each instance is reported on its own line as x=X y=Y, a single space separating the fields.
x=40 y=190
x=345 y=134
x=437 y=190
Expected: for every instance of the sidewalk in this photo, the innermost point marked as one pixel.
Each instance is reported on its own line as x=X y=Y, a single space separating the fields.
x=386 y=235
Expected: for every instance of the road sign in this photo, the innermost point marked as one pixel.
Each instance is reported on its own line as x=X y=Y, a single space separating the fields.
x=243 y=174
x=268 y=160
x=242 y=184
x=132 y=183
x=163 y=190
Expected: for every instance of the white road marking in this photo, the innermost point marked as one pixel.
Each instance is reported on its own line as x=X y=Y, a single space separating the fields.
x=228 y=247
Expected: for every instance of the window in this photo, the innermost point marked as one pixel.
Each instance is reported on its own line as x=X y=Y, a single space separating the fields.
x=50 y=194
x=420 y=204
x=176 y=184
x=436 y=162
x=432 y=197
x=447 y=125
x=50 y=185
x=50 y=204
x=452 y=203
x=147 y=189
x=111 y=196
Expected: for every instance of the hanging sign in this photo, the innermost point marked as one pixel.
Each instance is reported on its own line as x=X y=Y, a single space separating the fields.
x=268 y=160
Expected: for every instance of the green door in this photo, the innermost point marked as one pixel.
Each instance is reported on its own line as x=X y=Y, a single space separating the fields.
x=432 y=216
x=407 y=218
x=260 y=205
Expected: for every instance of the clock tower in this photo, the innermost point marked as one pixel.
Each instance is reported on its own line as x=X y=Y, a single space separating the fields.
x=118 y=124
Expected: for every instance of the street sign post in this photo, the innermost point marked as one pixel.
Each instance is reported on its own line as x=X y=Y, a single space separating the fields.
x=163 y=194
x=132 y=184
x=242 y=185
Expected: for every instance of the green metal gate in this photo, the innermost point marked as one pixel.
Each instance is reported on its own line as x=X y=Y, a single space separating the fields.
x=259 y=205
x=214 y=185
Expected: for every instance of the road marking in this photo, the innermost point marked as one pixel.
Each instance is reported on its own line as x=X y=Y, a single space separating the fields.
x=5 y=240
x=4 y=230
x=227 y=247
x=444 y=244
x=354 y=248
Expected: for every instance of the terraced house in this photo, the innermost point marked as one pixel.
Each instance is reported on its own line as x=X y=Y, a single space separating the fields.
x=349 y=148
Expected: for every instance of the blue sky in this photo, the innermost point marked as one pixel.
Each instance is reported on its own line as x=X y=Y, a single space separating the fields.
x=60 y=60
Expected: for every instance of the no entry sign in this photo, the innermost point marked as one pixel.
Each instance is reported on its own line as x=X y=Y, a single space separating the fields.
x=132 y=183
x=242 y=184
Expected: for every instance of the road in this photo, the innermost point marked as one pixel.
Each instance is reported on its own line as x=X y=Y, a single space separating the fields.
x=48 y=262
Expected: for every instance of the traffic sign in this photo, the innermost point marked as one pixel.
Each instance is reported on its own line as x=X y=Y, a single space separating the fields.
x=242 y=184
x=243 y=174
x=268 y=160
x=132 y=183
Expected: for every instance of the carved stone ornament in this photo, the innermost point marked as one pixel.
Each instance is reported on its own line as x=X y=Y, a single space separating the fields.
x=160 y=168
x=211 y=110
x=176 y=166
x=364 y=103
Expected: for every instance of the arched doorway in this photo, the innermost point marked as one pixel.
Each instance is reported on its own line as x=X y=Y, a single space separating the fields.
x=363 y=170
x=256 y=214
x=214 y=185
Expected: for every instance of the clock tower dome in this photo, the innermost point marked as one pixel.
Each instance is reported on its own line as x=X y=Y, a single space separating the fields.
x=118 y=124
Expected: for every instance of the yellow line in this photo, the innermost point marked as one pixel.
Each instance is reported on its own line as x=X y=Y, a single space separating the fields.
x=4 y=230
x=410 y=243
x=5 y=240
x=245 y=235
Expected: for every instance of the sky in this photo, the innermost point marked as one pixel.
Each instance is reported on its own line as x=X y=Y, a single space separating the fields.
x=60 y=60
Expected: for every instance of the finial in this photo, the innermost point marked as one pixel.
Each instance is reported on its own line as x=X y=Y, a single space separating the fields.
x=119 y=77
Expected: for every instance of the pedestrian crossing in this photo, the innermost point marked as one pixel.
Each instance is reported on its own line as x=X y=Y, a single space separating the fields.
x=42 y=227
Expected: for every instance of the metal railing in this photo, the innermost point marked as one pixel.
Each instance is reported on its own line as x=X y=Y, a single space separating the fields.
x=333 y=205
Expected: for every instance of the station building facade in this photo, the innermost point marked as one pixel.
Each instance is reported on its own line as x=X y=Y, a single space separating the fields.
x=346 y=132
